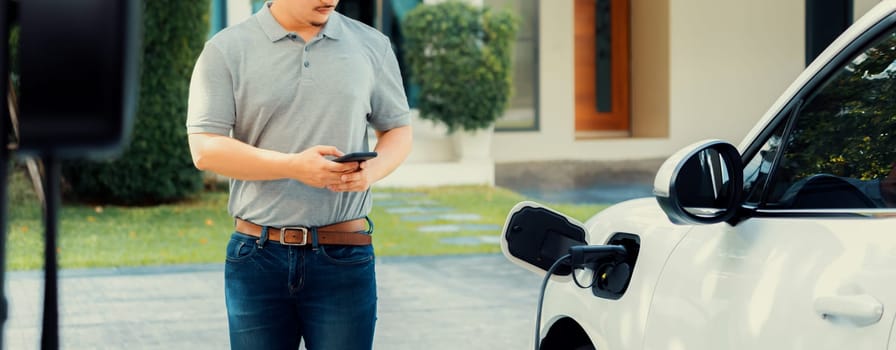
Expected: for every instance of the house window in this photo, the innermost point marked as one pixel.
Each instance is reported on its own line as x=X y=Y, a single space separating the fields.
x=522 y=113
x=825 y=20
x=602 y=68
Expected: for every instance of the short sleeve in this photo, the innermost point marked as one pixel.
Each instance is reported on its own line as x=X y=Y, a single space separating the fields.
x=211 y=106
x=389 y=105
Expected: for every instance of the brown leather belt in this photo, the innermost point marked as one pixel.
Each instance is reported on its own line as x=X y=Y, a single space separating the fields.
x=343 y=233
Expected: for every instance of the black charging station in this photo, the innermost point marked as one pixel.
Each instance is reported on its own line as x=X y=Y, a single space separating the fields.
x=78 y=83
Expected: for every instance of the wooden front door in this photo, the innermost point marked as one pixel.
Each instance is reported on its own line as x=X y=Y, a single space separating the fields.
x=602 y=68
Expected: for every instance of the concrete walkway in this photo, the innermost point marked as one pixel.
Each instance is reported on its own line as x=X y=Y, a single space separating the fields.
x=433 y=303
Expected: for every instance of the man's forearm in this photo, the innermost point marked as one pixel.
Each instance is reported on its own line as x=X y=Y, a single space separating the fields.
x=393 y=147
x=232 y=158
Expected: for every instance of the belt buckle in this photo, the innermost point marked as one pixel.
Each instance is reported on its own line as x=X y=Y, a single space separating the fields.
x=304 y=235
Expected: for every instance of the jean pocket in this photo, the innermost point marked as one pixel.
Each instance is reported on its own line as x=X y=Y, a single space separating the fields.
x=240 y=249
x=347 y=254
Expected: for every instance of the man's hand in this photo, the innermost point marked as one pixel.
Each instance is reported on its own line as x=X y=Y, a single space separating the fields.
x=313 y=169
x=356 y=180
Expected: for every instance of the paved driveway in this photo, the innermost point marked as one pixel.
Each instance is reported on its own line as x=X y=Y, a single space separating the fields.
x=433 y=303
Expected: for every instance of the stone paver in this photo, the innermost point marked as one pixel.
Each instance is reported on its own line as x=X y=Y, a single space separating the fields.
x=428 y=213
x=433 y=303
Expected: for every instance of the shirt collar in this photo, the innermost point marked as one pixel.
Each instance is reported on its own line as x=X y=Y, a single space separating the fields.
x=332 y=29
x=269 y=25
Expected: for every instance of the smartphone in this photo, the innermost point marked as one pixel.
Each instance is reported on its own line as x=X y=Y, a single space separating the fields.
x=356 y=157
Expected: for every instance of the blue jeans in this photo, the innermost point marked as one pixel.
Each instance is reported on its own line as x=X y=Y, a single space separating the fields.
x=278 y=295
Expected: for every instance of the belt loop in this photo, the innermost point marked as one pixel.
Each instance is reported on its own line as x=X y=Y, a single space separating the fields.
x=314 y=244
x=369 y=225
x=264 y=237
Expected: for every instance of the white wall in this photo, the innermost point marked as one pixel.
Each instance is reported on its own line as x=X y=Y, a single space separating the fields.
x=729 y=62
x=860 y=7
x=238 y=11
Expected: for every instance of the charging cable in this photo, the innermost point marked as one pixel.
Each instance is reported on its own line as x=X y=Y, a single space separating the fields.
x=544 y=285
x=579 y=257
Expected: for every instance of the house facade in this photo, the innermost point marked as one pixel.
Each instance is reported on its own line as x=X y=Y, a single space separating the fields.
x=696 y=69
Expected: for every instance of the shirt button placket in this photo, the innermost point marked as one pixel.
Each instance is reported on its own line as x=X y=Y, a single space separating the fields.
x=306 y=63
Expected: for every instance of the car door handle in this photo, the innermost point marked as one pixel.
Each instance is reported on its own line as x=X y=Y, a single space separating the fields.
x=860 y=310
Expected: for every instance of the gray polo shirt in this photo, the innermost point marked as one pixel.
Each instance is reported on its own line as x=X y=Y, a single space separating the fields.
x=268 y=88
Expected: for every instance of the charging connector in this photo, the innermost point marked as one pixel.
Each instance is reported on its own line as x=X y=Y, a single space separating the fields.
x=582 y=256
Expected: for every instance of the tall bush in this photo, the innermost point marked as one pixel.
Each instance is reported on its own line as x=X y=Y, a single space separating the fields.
x=156 y=166
x=460 y=55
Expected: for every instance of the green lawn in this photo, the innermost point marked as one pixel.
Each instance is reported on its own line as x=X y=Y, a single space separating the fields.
x=196 y=230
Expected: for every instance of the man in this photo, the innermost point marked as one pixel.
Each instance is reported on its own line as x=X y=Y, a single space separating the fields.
x=272 y=101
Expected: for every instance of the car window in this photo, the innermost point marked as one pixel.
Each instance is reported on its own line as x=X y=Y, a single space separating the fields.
x=840 y=150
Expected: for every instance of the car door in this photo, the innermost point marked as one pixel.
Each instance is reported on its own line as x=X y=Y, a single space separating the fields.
x=811 y=262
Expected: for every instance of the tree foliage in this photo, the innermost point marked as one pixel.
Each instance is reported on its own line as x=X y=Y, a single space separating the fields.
x=460 y=55
x=156 y=165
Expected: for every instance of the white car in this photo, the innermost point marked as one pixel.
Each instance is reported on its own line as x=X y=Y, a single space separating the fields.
x=785 y=242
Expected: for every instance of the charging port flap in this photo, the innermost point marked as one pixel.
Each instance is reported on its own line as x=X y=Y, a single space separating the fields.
x=535 y=236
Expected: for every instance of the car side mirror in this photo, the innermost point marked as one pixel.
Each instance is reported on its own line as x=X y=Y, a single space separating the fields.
x=535 y=236
x=701 y=183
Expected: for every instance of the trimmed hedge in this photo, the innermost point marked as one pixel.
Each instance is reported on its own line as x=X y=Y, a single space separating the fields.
x=156 y=166
x=460 y=55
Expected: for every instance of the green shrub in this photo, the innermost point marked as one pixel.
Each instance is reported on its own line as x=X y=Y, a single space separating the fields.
x=156 y=166
x=460 y=55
